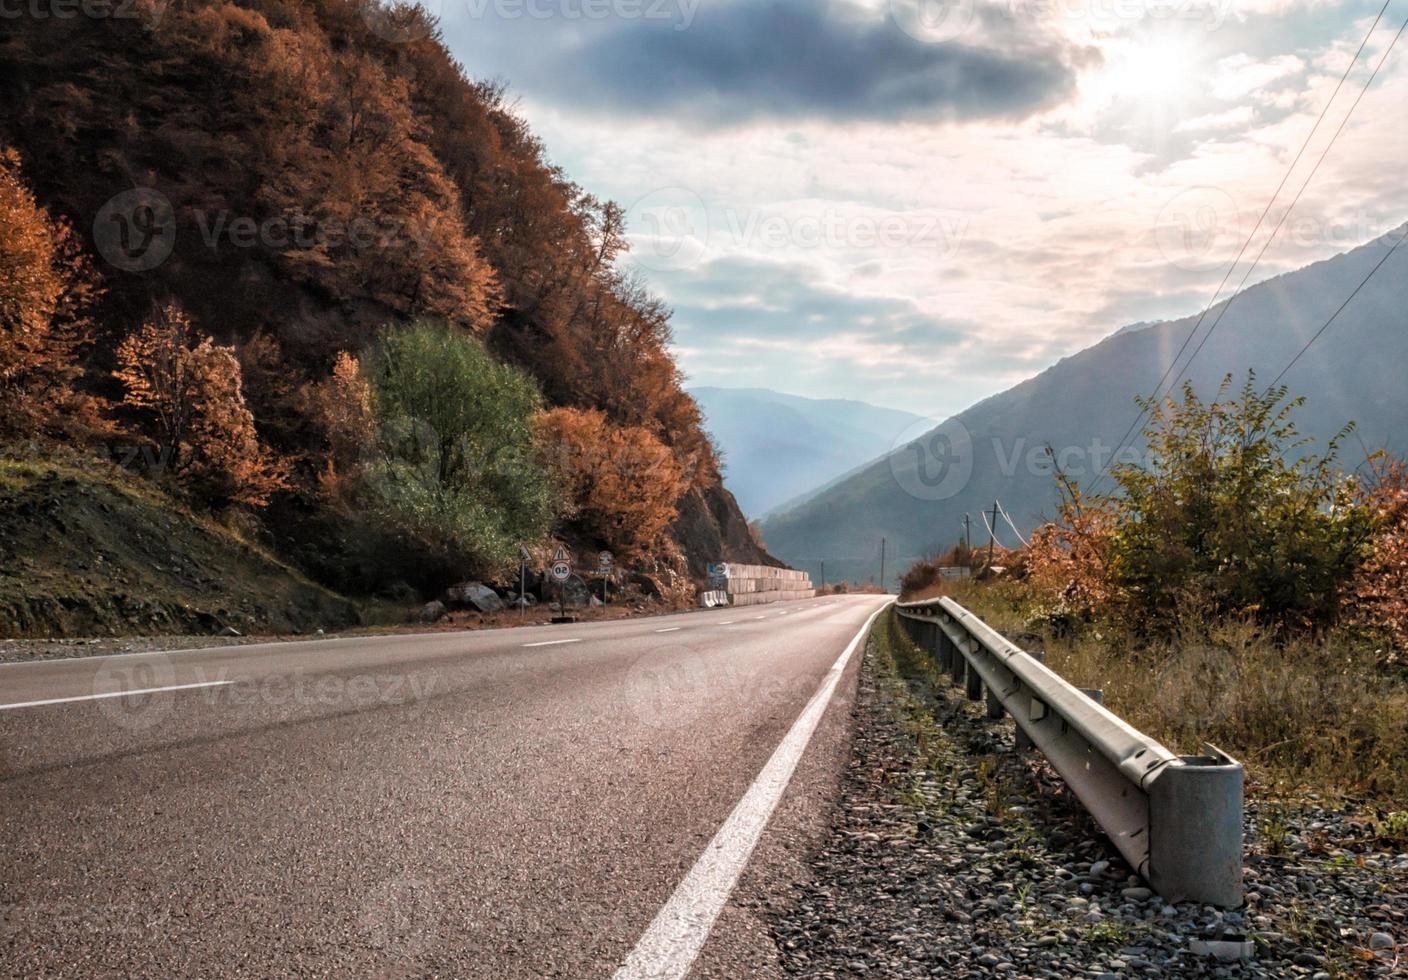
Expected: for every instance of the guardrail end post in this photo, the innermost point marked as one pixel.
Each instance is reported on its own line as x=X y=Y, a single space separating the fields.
x=1195 y=831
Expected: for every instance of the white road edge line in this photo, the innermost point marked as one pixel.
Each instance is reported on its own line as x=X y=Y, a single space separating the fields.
x=674 y=938
x=672 y=629
x=113 y=694
x=551 y=643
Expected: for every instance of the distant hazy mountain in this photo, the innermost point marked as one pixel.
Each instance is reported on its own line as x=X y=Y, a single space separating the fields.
x=916 y=496
x=778 y=447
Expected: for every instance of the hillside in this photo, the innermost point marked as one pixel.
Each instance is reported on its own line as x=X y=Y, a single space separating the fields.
x=778 y=446
x=88 y=555
x=1083 y=404
x=273 y=188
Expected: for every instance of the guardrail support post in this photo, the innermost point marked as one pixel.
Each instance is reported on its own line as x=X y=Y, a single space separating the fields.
x=1195 y=831
x=936 y=643
x=974 y=686
x=994 y=705
x=1023 y=742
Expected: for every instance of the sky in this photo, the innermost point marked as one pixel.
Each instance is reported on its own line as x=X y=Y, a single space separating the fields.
x=918 y=203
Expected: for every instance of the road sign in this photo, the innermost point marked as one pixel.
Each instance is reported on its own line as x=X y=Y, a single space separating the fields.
x=524 y=554
x=605 y=560
x=562 y=554
x=561 y=571
x=719 y=570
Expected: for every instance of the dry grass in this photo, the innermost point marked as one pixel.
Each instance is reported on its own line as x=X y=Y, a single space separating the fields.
x=1318 y=715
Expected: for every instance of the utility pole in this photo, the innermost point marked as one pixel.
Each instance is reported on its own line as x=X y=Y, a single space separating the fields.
x=823 y=573
x=883 y=587
x=967 y=535
x=992 y=532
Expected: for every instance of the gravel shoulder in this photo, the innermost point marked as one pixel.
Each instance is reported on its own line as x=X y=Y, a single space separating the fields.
x=951 y=854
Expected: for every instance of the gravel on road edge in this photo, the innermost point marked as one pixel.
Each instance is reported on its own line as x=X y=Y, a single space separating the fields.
x=951 y=854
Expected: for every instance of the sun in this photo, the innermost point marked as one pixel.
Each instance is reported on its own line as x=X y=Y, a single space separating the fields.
x=1158 y=73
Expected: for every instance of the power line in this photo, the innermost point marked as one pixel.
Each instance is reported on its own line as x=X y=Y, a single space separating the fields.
x=1334 y=316
x=1006 y=517
x=1242 y=251
x=1288 y=211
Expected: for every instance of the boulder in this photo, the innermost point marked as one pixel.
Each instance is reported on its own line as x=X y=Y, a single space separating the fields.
x=432 y=612
x=575 y=594
x=648 y=584
x=475 y=595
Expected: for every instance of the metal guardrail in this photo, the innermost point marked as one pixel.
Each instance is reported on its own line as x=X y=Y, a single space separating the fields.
x=1176 y=819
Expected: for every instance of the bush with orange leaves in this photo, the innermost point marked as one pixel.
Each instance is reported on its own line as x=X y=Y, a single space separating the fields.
x=187 y=393
x=620 y=484
x=1378 y=595
x=1067 y=561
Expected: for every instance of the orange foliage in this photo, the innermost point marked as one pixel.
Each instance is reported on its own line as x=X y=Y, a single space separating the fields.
x=1378 y=595
x=341 y=406
x=1068 y=560
x=621 y=483
x=189 y=390
x=46 y=288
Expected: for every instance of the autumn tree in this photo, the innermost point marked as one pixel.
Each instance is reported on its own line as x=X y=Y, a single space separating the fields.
x=620 y=482
x=46 y=289
x=187 y=392
x=341 y=407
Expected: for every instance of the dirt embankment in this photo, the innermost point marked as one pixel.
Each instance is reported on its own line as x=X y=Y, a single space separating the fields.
x=84 y=554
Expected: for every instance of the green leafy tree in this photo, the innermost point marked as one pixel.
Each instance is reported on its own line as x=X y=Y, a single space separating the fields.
x=1234 y=511
x=455 y=464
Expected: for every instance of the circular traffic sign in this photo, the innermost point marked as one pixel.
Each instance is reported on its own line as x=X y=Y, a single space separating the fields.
x=561 y=571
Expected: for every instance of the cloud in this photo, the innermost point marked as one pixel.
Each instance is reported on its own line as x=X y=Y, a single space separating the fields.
x=747 y=60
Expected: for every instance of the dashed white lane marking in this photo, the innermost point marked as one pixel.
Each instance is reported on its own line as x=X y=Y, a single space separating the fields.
x=112 y=694
x=677 y=934
x=551 y=643
x=672 y=629
x=728 y=622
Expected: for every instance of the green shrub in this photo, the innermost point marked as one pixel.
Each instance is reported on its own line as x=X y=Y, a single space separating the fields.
x=1232 y=513
x=455 y=465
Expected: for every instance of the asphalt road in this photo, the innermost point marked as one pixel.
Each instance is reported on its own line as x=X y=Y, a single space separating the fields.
x=509 y=803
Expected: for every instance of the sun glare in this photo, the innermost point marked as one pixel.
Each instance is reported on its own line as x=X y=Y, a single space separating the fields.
x=1158 y=73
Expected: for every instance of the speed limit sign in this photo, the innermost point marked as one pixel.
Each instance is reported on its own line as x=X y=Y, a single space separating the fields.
x=561 y=571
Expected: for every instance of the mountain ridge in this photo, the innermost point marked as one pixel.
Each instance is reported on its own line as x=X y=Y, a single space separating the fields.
x=1083 y=403
x=778 y=447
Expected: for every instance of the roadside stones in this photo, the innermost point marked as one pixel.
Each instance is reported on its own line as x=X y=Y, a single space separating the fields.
x=1381 y=940
x=475 y=595
x=432 y=612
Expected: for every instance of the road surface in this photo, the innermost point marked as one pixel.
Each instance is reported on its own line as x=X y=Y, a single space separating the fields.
x=562 y=801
